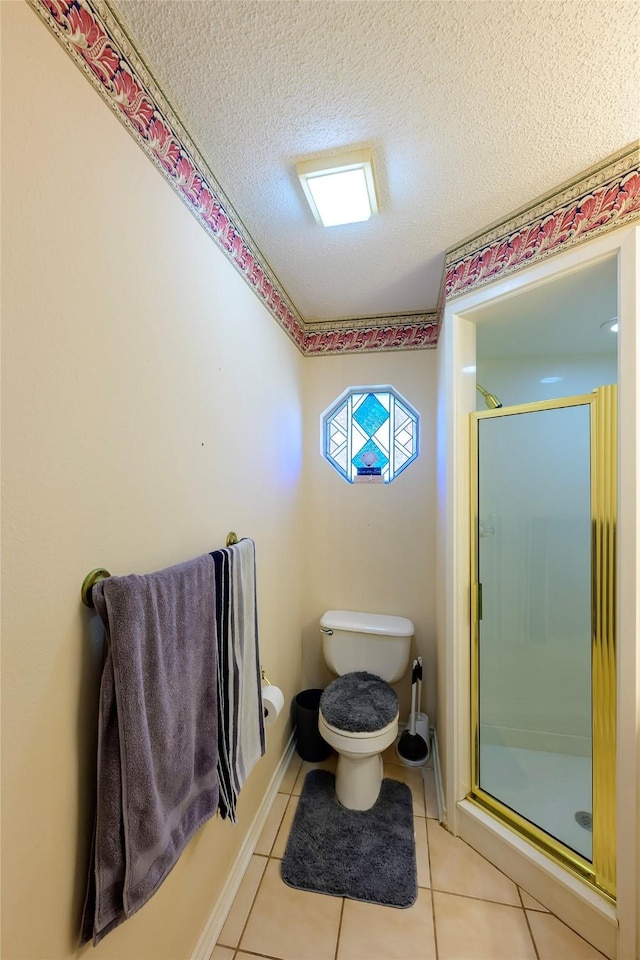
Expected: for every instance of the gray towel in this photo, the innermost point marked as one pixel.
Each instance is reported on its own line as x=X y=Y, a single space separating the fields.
x=157 y=734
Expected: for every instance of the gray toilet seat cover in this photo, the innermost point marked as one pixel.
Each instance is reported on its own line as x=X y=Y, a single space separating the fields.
x=359 y=702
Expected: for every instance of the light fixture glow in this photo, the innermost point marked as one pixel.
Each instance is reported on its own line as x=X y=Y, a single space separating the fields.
x=611 y=325
x=339 y=189
x=470 y=369
x=551 y=380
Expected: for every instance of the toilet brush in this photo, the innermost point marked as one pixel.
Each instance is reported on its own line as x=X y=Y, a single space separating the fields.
x=422 y=720
x=411 y=746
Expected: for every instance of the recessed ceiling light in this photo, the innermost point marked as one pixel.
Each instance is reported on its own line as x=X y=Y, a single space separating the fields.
x=551 y=380
x=339 y=189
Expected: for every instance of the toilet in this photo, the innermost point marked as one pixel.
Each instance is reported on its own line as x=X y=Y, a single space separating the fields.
x=359 y=711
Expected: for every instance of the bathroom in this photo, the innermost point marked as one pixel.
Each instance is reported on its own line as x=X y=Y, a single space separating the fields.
x=131 y=443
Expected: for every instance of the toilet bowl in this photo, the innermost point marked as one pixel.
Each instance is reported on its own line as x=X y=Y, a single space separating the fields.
x=358 y=713
x=360 y=768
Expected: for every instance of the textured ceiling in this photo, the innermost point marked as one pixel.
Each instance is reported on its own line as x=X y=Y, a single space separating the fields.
x=472 y=109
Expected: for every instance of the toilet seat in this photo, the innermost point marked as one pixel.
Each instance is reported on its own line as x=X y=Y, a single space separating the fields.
x=363 y=734
x=346 y=742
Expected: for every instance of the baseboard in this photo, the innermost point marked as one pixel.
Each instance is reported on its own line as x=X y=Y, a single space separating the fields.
x=437 y=772
x=213 y=926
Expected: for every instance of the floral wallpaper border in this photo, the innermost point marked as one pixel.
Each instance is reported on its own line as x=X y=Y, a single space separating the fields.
x=602 y=199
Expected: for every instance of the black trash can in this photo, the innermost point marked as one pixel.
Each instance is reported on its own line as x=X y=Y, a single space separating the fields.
x=310 y=745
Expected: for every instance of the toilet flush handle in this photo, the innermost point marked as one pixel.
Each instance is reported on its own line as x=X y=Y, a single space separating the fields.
x=329 y=633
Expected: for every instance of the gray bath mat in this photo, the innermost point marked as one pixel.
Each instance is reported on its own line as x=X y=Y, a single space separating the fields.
x=360 y=854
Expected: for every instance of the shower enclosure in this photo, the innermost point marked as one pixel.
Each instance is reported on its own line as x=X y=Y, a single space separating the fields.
x=543 y=626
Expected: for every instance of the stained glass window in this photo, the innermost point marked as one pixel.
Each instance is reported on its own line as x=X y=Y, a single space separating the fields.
x=370 y=432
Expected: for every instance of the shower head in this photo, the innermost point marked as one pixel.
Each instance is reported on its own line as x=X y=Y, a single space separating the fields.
x=490 y=399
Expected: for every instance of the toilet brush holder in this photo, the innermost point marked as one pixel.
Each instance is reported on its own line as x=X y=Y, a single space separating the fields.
x=422 y=729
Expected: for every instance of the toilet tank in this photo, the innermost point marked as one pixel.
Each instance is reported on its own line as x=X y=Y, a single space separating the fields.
x=366 y=641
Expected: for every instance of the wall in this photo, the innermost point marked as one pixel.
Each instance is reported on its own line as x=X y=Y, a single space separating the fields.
x=518 y=379
x=371 y=547
x=150 y=404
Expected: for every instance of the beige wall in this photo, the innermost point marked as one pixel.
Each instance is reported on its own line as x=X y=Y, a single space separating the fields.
x=150 y=405
x=371 y=547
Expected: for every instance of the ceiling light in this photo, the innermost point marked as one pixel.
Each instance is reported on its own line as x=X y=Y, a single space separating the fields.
x=610 y=325
x=339 y=189
x=551 y=380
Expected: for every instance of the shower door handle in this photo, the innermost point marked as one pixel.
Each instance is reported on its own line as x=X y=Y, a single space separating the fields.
x=476 y=601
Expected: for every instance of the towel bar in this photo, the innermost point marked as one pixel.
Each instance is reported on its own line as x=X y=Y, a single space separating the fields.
x=100 y=573
x=89 y=583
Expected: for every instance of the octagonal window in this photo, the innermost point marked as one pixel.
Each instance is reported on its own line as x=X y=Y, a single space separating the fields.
x=370 y=434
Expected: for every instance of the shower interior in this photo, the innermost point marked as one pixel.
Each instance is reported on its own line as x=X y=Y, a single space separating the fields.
x=547 y=788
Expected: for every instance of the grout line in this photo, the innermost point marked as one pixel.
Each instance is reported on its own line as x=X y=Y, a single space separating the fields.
x=339 y=929
x=250 y=953
x=468 y=896
x=268 y=857
x=433 y=906
x=533 y=939
x=548 y=913
x=277 y=830
x=482 y=857
x=253 y=900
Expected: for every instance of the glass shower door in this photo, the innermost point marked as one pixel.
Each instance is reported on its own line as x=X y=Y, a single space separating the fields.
x=537 y=598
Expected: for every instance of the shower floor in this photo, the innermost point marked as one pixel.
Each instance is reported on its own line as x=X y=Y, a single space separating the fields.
x=546 y=788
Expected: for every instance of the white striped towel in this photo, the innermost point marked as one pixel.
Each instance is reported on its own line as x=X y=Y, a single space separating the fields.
x=241 y=739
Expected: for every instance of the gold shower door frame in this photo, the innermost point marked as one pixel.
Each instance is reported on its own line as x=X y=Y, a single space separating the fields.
x=601 y=872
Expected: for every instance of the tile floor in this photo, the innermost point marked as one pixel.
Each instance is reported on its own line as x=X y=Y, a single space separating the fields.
x=466 y=908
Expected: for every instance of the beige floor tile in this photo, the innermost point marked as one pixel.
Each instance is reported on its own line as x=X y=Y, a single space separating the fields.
x=250 y=956
x=478 y=930
x=412 y=776
x=237 y=916
x=272 y=824
x=430 y=792
x=555 y=941
x=329 y=764
x=456 y=868
x=222 y=953
x=291 y=924
x=422 y=852
x=290 y=776
x=529 y=903
x=285 y=828
x=371 y=932
x=390 y=756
